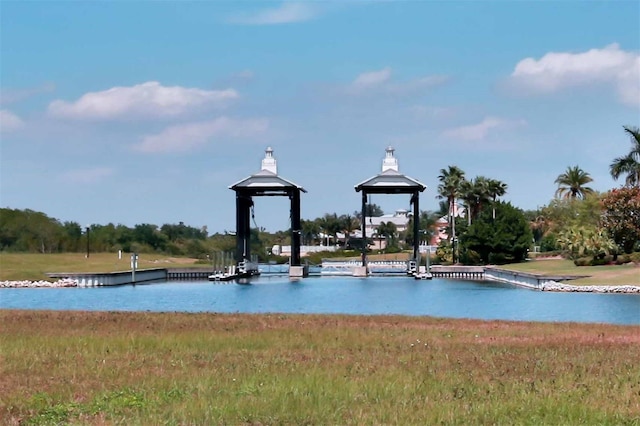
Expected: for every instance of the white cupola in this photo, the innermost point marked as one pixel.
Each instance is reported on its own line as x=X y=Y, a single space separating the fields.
x=390 y=162
x=269 y=163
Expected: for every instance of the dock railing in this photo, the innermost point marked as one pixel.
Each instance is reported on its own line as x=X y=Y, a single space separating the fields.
x=458 y=271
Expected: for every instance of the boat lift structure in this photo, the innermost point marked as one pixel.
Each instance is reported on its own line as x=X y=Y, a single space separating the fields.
x=265 y=183
x=391 y=181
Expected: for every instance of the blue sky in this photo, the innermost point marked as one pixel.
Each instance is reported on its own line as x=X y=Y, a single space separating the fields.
x=145 y=112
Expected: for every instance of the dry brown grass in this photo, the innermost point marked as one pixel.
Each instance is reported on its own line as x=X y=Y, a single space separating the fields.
x=178 y=368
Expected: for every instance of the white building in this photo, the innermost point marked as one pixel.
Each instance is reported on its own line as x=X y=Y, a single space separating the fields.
x=400 y=219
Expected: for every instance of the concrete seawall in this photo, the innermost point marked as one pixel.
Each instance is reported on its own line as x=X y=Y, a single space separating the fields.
x=552 y=283
x=113 y=278
x=458 y=271
x=527 y=280
x=521 y=279
x=489 y=273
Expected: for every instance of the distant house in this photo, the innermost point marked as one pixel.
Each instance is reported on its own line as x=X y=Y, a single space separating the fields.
x=400 y=219
x=442 y=224
x=440 y=233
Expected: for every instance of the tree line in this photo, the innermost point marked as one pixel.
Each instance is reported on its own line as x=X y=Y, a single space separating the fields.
x=497 y=232
x=31 y=231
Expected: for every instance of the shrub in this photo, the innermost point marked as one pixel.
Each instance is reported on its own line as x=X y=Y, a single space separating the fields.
x=393 y=249
x=444 y=252
x=174 y=249
x=545 y=254
x=582 y=261
x=504 y=239
x=621 y=259
x=598 y=261
x=499 y=258
x=621 y=216
x=582 y=241
x=141 y=248
x=549 y=243
x=470 y=257
x=594 y=261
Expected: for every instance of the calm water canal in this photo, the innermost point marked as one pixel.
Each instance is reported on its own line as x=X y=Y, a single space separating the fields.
x=344 y=295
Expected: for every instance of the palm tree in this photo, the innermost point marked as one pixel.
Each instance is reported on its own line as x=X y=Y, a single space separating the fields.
x=388 y=230
x=630 y=163
x=540 y=226
x=466 y=195
x=475 y=193
x=426 y=227
x=449 y=189
x=310 y=231
x=330 y=225
x=348 y=223
x=496 y=189
x=571 y=183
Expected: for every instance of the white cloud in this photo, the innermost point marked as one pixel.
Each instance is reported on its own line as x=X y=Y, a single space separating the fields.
x=87 y=176
x=9 y=122
x=371 y=79
x=146 y=100
x=380 y=81
x=558 y=70
x=628 y=84
x=284 y=14
x=480 y=131
x=186 y=137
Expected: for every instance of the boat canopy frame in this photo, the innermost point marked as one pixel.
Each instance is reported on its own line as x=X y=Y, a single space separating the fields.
x=265 y=184
x=391 y=181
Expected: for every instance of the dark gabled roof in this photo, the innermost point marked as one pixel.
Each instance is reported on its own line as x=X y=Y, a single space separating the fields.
x=265 y=180
x=390 y=182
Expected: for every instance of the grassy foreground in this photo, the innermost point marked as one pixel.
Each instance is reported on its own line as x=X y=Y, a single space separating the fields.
x=174 y=368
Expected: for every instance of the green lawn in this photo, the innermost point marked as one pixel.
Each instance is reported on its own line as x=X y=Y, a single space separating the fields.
x=628 y=274
x=29 y=266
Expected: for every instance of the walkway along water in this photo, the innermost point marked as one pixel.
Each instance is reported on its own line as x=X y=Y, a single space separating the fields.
x=488 y=273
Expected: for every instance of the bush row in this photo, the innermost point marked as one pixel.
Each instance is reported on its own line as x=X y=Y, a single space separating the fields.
x=619 y=259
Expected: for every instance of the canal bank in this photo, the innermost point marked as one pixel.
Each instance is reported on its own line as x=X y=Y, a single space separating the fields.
x=375 y=295
x=113 y=278
x=549 y=283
